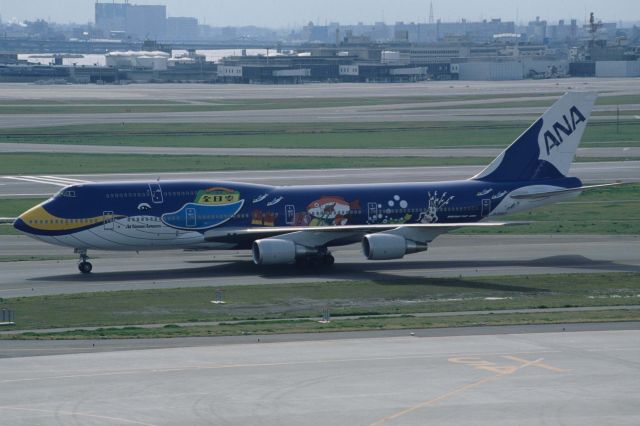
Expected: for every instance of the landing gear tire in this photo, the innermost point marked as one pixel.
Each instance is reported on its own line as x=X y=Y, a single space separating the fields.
x=314 y=262
x=85 y=267
x=328 y=260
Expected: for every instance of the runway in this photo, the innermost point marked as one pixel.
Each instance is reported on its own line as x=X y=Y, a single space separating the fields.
x=448 y=256
x=445 y=377
x=352 y=114
x=608 y=152
x=26 y=186
x=182 y=92
x=201 y=94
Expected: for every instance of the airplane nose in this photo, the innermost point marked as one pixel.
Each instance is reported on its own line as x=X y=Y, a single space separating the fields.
x=22 y=223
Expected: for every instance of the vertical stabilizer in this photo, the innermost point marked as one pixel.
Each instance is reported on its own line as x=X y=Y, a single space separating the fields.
x=547 y=148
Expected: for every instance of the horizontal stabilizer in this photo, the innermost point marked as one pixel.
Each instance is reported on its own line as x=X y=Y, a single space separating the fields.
x=7 y=220
x=540 y=195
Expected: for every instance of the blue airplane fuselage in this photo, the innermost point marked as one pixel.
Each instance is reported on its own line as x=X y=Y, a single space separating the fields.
x=148 y=215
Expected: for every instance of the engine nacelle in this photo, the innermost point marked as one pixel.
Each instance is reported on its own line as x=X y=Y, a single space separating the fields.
x=389 y=246
x=275 y=251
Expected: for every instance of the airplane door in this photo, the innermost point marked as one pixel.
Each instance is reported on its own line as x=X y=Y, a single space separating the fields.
x=156 y=193
x=486 y=207
x=372 y=211
x=290 y=214
x=108 y=219
x=191 y=218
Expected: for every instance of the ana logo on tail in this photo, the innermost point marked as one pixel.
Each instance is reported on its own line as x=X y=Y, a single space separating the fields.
x=552 y=140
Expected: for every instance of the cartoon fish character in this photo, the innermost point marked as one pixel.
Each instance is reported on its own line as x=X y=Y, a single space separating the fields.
x=260 y=198
x=484 y=192
x=498 y=195
x=144 y=207
x=329 y=207
x=275 y=201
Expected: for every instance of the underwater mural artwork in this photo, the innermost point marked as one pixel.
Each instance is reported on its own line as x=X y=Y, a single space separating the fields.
x=260 y=218
x=435 y=204
x=259 y=198
x=327 y=210
x=393 y=213
x=212 y=207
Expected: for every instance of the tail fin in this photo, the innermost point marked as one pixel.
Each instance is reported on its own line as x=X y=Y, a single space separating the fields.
x=547 y=148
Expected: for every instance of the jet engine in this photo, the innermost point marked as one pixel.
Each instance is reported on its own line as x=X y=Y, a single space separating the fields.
x=275 y=251
x=389 y=246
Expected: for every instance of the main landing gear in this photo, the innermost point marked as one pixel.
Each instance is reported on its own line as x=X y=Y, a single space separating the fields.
x=325 y=259
x=84 y=265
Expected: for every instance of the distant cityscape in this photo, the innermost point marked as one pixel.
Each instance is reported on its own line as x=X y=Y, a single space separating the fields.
x=142 y=43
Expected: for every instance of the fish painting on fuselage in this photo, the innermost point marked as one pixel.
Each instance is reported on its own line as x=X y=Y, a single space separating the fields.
x=298 y=224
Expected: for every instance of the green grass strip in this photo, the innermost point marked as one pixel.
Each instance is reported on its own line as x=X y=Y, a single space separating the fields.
x=312 y=135
x=33 y=163
x=286 y=301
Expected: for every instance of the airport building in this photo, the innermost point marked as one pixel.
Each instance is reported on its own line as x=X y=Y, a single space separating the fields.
x=486 y=50
x=182 y=28
x=135 y=21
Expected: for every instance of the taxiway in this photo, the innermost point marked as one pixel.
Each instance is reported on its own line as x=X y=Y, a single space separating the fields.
x=449 y=256
x=448 y=377
x=607 y=152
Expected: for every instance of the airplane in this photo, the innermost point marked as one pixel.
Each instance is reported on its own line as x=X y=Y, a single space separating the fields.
x=298 y=224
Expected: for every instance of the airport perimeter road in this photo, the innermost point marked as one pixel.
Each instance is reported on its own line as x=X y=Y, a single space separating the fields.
x=45 y=185
x=608 y=152
x=182 y=92
x=585 y=378
x=449 y=256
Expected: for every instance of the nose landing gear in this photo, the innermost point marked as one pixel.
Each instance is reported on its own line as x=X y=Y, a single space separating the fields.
x=84 y=265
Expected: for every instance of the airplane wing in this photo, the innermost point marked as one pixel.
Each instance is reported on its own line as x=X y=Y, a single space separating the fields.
x=314 y=236
x=539 y=195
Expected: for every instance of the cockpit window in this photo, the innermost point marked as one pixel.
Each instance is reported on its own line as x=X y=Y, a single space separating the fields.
x=67 y=193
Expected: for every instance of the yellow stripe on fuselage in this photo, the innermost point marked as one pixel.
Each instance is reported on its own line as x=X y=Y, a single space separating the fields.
x=38 y=218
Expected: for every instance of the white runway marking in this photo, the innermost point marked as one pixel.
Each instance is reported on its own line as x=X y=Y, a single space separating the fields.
x=24 y=195
x=49 y=180
x=61 y=179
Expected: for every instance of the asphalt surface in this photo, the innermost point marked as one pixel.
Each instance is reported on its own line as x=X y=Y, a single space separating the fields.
x=448 y=256
x=360 y=114
x=182 y=92
x=369 y=113
x=45 y=185
x=608 y=152
x=485 y=375
x=29 y=348
x=462 y=377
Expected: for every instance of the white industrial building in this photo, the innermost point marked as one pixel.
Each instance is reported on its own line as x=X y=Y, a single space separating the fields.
x=490 y=70
x=618 y=69
x=517 y=69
